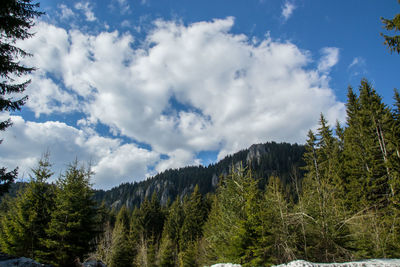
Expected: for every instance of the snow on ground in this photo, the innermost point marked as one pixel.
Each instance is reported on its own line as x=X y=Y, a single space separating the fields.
x=301 y=263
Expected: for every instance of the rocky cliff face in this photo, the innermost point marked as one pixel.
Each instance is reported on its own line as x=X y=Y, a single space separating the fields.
x=256 y=152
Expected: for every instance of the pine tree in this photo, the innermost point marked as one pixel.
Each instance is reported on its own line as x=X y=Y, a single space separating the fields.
x=168 y=252
x=326 y=230
x=73 y=221
x=277 y=240
x=171 y=236
x=226 y=236
x=23 y=227
x=393 y=42
x=16 y=18
x=366 y=150
x=146 y=231
x=121 y=252
x=195 y=214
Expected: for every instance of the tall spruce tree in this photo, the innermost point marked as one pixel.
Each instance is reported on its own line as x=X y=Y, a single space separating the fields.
x=73 y=221
x=171 y=236
x=121 y=250
x=228 y=236
x=16 y=18
x=326 y=230
x=276 y=241
x=195 y=214
x=23 y=227
x=366 y=149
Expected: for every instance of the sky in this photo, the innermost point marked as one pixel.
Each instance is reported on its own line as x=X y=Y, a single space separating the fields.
x=135 y=87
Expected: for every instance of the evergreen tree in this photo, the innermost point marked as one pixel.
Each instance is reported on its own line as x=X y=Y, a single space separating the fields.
x=168 y=252
x=73 y=221
x=393 y=42
x=171 y=236
x=366 y=151
x=16 y=18
x=121 y=253
x=277 y=240
x=326 y=230
x=226 y=236
x=146 y=231
x=23 y=226
x=195 y=214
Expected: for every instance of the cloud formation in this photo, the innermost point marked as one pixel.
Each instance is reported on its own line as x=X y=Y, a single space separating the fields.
x=330 y=57
x=112 y=161
x=187 y=89
x=87 y=10
x=287 y=10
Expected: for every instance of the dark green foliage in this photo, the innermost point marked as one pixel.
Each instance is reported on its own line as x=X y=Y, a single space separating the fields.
x=121 y=249
x=277 y=239
x=6 y=179
x=366 y=149
x=23 y=225
x=16 y=18
x=168 y=252
x=73 y=222
x=225 y=231
x=322 y=208
x=195 y=214
x=393 y=42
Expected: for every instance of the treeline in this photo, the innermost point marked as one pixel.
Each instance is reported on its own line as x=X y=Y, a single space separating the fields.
x=277 y=159
x=346 y=207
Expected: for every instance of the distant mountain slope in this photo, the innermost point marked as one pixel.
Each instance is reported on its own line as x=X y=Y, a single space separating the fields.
x=263 y=159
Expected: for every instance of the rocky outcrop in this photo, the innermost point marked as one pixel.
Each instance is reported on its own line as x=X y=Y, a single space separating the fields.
x=10 y=261
x=256 y=152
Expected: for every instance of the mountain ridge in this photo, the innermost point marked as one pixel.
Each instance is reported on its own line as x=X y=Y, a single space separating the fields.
x=264 y=159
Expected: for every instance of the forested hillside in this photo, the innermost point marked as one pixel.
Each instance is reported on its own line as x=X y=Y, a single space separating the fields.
x=280 y=159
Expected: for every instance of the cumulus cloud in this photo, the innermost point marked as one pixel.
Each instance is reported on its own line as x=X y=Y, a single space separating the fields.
x=113 y=162
x=287 y=10
x=187 y=89
x=330 y=57
x=87 y=10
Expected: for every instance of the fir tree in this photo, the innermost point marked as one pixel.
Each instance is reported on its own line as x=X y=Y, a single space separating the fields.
x=194 y=217
x=277 y=240
x=121 y=253
x=23 y=227
x=326 y=230
x=16 y=18
x=73 y=221
x=225 y=232
x=393 y=42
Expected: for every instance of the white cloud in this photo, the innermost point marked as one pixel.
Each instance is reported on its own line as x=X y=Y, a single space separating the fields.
x=287 y=10
x=112 y=161
x=329 y=58
x=357 y=62
x=66 y=12
x=87 y=9
x=187 y=89
x=46 y=97
x=124 y=6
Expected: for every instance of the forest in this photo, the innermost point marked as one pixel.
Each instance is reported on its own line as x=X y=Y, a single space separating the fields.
x=338 y=200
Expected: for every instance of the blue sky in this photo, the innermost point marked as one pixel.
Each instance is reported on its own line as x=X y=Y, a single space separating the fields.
x=139 y=86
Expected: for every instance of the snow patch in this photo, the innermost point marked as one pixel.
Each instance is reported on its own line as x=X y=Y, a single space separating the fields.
x=302 y=263
x=366 y=263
